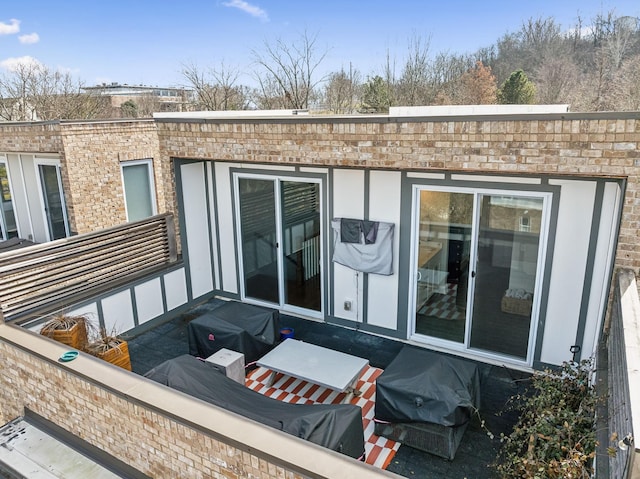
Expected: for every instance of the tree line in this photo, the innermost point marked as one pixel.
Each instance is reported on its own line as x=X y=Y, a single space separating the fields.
x=593 y=66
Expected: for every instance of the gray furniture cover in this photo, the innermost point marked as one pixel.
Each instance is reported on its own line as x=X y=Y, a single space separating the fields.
x=376 y=257
x=334 y=426
x=423 y=386
x=247 y=329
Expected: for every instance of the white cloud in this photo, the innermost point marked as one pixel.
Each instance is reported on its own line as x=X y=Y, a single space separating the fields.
x=246 y=7
x=10 y=28
x=29 y=39
x=12 y=64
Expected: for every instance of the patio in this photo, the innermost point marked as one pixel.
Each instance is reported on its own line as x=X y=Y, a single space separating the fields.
x=476 y=451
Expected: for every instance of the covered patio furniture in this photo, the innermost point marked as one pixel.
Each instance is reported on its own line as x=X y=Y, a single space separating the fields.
x=334 y=426
x=425 y=400
x=244 y=328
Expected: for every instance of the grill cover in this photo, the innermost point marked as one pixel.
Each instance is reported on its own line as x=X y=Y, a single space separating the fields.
x=240 y=327
x=334 y=426
x=423 y=386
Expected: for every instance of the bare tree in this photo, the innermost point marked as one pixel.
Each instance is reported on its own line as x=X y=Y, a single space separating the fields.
x=413 y=85
x=555 y=79
x=342 y=91
x=217 y=88
x=35 y=92
x=288 y=72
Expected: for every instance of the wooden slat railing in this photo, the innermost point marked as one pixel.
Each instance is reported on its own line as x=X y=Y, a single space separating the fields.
x=50 y=276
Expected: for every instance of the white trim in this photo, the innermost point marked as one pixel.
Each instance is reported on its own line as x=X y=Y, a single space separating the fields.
x=5 y=160
x=152 y=186
x=49 y=161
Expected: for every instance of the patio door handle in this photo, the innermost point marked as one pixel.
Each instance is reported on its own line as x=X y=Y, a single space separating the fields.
x=419 y=276
x=473 y=274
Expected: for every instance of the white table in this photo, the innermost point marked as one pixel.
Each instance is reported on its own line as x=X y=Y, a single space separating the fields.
x=315 y=364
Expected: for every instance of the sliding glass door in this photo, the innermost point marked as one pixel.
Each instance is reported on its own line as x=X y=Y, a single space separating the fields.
x=280 y=247
x=477 y=265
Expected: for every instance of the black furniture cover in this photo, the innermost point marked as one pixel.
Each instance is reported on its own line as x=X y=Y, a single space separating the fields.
x=240 y=327
x=423 y=386
x=334 y=426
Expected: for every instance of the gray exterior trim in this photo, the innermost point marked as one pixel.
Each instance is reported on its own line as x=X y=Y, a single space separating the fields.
x=134 y=307
x=586 y=290
x=365 y=276
x=546 y=279
x=207 y=189
x=406 y=233
x=279 y=173
x=177 y=163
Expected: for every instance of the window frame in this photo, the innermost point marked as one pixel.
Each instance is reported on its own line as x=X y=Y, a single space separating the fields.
x=152 y=188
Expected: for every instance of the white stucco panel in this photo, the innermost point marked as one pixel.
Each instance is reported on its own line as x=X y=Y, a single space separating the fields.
x=348 y=202
x=568 y=269
x=117 y=312
x=602 y=266
x=197 y=228
x=226 y=237
x=384 y=205
x=175 y=288
x=149 y=300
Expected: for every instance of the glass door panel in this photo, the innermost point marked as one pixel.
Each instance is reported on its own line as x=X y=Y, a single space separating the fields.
x=442 y=264
x=505 y=273
x=259 y=239
x=301 y=238
x=7 y=215
x=53 y=201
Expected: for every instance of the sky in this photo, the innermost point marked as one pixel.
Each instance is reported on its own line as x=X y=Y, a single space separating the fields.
x=149 y=42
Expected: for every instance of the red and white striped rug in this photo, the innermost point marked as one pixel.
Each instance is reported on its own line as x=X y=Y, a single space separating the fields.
x=379 y=450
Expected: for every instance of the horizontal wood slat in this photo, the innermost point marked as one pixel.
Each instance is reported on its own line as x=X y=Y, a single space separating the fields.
x=43 y=278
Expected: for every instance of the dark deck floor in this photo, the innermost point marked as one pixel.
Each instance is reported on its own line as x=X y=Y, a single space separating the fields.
x=476 y=451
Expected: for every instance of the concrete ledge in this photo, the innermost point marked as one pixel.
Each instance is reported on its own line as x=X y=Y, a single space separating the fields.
x=630 y=310
x=276 y=447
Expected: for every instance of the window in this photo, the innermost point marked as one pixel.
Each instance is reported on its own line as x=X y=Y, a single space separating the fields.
x=139 y=189
x=8 y=227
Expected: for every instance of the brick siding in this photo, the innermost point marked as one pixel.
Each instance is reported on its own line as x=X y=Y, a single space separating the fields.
x=591 y=145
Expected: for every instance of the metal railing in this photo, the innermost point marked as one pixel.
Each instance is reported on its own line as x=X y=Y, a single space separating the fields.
x=50 y=276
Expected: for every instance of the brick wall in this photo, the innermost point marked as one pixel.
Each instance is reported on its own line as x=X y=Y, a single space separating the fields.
x=90 y=155
x=569 y=144
x=139 y=434
x=92 y=178
x=30 y=138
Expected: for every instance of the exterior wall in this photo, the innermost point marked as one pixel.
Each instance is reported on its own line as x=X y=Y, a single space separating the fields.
x=91 y=172
x=90 y=154
x=573 y=144
x=158 y=431
x=30 y=138
x=370 y=164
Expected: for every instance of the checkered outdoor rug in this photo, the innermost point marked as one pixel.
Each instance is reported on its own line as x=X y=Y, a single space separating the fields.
x=443 y=306
x=379 y=450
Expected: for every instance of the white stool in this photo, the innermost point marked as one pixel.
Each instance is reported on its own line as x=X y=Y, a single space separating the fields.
x=231 y=362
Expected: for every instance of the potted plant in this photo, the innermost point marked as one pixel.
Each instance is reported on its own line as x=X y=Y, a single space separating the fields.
x=110 y=348
x=71 y=330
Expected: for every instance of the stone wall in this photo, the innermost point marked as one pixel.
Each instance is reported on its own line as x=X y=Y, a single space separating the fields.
x=571 y=144
x=156 y=430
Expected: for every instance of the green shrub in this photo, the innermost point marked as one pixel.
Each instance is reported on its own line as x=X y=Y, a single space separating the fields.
x=555 y=435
